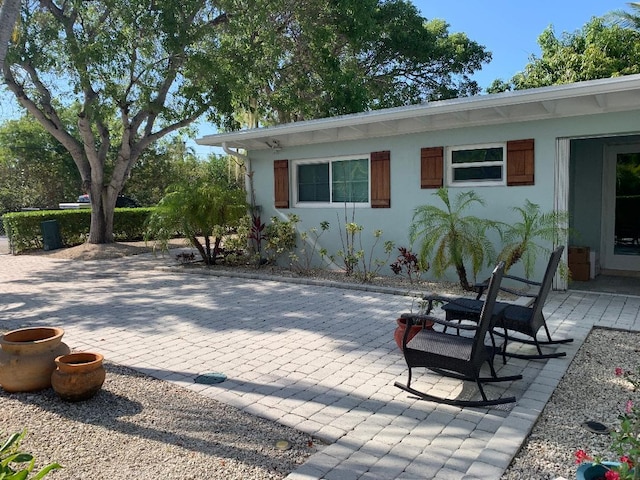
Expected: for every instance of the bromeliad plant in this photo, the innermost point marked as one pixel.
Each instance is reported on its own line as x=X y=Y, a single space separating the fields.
x=625 y=440
x=10 y=455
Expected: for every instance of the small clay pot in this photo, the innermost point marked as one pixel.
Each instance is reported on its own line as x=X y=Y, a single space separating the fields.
x=27 y=358
x=78 y=376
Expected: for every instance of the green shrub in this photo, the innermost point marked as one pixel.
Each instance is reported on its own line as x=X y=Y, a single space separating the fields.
x=25 y=233
x=281 y=237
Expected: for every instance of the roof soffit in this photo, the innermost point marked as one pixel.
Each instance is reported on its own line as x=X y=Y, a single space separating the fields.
x=586 y=98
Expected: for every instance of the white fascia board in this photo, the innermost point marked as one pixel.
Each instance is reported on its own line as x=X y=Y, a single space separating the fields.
x=500 y=102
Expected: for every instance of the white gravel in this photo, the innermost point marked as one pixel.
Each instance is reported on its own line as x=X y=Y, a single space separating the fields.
x=143 y=428
x=588 y=391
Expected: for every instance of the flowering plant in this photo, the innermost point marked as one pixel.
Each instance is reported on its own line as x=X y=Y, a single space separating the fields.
x=626 y=440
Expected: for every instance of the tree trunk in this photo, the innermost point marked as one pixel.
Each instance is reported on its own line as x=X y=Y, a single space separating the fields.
x=9 y=12
x=462 y=275
x=102 y=211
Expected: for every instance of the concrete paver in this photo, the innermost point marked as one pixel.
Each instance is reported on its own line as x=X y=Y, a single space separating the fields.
x=316 y=358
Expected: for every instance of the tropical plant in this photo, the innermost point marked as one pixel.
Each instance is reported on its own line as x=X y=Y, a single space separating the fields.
x=353 y=254
x=520 y=239
x=204 y=210
x=10 y=454
x=302 y=259
x=256 y=234
x=407 y=263
x=449 y=237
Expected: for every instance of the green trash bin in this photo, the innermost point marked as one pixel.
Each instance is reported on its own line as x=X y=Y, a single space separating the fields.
x=51 y=238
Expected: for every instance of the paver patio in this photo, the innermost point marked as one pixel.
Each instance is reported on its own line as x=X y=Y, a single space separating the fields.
x=316 y=358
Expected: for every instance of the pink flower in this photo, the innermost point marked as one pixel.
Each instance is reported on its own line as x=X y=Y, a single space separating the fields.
x=629 y=406
x=619 y=372
x=582 y=456
x=611 y=475
x=627 y=460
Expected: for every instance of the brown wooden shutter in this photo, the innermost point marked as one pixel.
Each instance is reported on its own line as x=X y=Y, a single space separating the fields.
x=520 y=162
x=431 y=167
x=281 y=183
x=381 y=179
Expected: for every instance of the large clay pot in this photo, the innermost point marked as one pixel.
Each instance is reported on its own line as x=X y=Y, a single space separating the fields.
x=27 y=358
x=78 y=376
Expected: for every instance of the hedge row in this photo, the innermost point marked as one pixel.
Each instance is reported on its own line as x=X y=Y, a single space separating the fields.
x=25 y=232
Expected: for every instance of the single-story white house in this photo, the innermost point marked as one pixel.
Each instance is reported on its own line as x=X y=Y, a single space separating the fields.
x=564 y=147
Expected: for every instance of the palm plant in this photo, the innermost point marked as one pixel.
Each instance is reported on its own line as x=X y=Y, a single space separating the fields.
x=630 y=20
x=452 y=237
x=520 y=239
x=200 y=210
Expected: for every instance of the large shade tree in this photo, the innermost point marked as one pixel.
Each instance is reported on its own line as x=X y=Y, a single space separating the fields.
x=158 y=65
x=349 y=56
x=153 y=64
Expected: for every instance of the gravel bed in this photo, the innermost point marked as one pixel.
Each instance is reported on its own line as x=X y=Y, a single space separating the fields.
x=588 y=391
x=144 y=428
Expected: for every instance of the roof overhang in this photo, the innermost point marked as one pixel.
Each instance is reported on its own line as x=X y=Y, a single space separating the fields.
x=558 y=101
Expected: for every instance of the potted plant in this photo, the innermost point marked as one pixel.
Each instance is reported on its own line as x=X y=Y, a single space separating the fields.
x=625 y=441
x=424 y=308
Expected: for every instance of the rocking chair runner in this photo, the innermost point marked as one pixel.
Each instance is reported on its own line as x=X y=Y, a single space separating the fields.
x=457 y=356
x=525 y=320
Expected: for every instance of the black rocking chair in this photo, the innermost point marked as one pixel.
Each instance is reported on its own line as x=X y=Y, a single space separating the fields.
x=524 y=320
x=454 y=355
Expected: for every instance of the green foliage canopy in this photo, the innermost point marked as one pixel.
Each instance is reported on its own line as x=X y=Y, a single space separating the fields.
x=347 y=56
x=35 y=170
x=602 y=48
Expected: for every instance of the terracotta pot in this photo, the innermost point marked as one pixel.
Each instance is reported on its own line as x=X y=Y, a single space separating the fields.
x=27 y=358
x=78 y=376
x=398 y=335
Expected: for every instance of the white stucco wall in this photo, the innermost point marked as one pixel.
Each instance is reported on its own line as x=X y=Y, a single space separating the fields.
x=406 y=193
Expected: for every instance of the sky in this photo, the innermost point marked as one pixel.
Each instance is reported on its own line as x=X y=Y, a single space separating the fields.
x=507 y=28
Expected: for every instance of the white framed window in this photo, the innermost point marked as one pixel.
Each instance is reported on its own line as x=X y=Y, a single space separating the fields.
x=476 y=165
x=332 y=181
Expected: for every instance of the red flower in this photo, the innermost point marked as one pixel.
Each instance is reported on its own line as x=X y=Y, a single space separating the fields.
x=627 y=460
x=619 y=372
x=582 y=456
x=611 y=475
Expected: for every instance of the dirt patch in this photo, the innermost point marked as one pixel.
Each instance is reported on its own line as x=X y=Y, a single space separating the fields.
x=90 y=251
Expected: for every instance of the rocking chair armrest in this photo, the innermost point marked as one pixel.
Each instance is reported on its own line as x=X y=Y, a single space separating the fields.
x=440 y=321
x=444 y=299
x=481 y=287
x=522 y=280
x=518 y=293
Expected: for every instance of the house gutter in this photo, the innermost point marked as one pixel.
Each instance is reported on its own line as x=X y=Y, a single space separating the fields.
x=248 y=180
